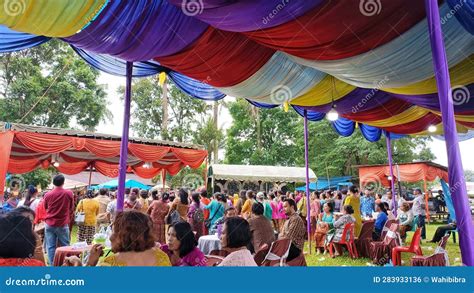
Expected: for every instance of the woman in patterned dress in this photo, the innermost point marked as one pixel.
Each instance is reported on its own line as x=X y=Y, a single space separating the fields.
x=158 y=210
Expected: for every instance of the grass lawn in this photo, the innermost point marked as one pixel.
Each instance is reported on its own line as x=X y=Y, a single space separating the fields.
x=428 y=249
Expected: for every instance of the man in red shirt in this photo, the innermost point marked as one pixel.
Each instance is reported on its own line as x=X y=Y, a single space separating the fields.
x=59 y=205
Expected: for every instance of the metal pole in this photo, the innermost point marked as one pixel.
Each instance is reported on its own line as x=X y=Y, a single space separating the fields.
x=455 y=170
x=390 y=165
x=306 y=161
x=124 y=142
x=90 y=176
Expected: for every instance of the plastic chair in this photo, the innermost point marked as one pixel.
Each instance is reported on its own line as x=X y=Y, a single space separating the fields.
x=277 y=253
x=380 y=251
x=213 y=260
x=438 y=258
x=259 y=256
x=348 y=231
x=219 y=252
x=413 y=248
x=362 y=243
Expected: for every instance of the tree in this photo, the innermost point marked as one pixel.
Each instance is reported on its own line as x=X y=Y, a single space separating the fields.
x=50 y=86
x=281 y=137
x=263 y=137
x=211 y=137
x=185 y=116
x=469 y=175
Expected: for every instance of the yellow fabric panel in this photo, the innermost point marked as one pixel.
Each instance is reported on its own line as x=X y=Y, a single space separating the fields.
x=52 y=18
x=461 y=74
x=412 y=114
x=439 y=130
x=323 y=92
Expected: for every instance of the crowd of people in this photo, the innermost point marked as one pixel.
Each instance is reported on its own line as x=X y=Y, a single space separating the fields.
x=155 y=228
x=162 y=228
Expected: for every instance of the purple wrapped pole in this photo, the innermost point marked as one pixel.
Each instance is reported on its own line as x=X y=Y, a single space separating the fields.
x=306 y=164
x=124 y=142
x=390 y=165
x=455 y=170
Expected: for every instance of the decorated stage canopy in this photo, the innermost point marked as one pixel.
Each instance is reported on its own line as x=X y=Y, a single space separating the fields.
x=370 y=60
x=408 y=172
x=24 y=148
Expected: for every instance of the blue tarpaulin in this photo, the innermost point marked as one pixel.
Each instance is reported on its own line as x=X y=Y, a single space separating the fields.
x=324 y=183
x=129 y=183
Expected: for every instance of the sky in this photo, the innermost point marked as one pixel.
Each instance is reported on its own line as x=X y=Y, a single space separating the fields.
x=438 y=147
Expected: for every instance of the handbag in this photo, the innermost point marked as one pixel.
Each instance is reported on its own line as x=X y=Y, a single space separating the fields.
x=80 y=216
x=209 y=221
x=173 y=218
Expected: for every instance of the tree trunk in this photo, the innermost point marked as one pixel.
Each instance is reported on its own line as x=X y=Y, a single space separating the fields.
x=165 y=102
x=259 y=129
x=216 y=125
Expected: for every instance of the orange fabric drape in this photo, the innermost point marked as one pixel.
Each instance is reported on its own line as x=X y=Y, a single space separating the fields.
x=148 y=153
x=6 y=140
x=193 y=158
x=408 y=173
x=72 y=168
x=147 y=173
x=23 y=166
x=103 y=148
x=44 y=143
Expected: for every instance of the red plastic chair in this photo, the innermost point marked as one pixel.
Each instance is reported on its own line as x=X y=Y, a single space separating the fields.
x=277 y=254
x=348 y=230
x=259 y=256
x=413 y=248
x=213 y=260
x=438 y=258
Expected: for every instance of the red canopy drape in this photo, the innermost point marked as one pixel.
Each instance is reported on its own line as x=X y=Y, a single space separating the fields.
x=412 y=172
x=22 y=152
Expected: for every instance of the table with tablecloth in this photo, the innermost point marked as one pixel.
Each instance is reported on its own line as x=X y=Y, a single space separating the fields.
x=209 y=243
x=65 y=251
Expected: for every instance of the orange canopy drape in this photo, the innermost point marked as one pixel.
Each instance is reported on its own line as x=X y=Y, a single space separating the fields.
x=412 y=172
x=32 y=150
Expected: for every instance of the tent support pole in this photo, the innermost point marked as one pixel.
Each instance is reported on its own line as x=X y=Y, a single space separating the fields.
x=455 y=170
x=390 y=165
x=90 y=176
x=306 y=162
x=124 y=141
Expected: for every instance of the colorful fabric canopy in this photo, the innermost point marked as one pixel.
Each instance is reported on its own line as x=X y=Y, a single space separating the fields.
x=27 y=148
x=371 y=60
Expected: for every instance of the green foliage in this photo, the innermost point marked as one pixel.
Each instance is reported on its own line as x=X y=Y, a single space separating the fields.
x=261 y=137
x=186 y=115
x=282 y=143
x=469 y=175
x=190 y=178
x=50 y=86
x=37 y=177
x=206 y=136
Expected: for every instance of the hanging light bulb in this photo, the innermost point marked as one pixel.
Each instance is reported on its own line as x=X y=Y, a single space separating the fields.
x=56 y=164
x=147 y=165
x=432 y=128
x=332 y=115
x=54 y=161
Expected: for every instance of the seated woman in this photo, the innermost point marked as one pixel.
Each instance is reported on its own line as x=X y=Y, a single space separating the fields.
x=18 y=241
x=182 y=248
x=235 y=238
x=380 y=221
x=405 y=217
x=324 y=225
x=133 y=244
x=340 y=223
x=390 y=215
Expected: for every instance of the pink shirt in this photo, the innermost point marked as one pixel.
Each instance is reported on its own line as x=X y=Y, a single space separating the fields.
x=239 y=258
x=315 y=208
